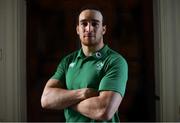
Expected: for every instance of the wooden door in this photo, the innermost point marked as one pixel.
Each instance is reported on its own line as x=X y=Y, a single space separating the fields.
x=51 y=35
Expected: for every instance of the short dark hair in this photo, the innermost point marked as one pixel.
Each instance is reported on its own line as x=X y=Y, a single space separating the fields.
x=91 y=7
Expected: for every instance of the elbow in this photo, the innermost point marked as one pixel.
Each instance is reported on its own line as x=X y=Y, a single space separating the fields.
x=44 y=102
x=105 y=115
x=47 y=103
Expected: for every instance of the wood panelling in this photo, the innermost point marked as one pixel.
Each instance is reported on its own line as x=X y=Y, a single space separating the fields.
x=51 y=35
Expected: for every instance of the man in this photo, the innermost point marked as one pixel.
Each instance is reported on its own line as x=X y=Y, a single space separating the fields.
x=89 y=84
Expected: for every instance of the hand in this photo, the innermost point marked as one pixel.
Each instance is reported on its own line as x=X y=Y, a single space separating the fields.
x=89 y=92
x=86 y=93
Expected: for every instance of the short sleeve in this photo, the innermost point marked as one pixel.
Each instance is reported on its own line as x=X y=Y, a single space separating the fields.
x=116 y=75
x=60 y=72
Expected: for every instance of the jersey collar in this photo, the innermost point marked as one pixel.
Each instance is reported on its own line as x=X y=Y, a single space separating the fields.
x=97 y=55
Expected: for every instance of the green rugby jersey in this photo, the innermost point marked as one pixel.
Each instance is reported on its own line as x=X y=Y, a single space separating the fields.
x=104 y=70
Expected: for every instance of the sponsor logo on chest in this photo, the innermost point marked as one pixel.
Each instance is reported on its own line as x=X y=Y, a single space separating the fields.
x=99 y=65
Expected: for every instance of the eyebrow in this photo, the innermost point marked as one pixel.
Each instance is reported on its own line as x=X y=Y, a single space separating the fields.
x=94 y=20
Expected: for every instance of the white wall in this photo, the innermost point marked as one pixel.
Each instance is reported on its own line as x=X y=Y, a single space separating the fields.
x=12 y=60
x=167 y=58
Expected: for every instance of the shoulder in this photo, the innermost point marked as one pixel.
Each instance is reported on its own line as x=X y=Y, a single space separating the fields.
x=66 y=60
x=115 y=57
x=70 y=56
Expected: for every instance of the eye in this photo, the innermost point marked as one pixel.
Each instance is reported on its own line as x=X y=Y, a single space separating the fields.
x=84 y=24
x=95 y=24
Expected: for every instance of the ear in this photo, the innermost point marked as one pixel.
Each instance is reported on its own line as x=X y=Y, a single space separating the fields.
x=77 y=29
x=104 y=29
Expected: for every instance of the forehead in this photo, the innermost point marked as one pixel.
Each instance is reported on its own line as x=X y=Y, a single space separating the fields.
x=88 y=15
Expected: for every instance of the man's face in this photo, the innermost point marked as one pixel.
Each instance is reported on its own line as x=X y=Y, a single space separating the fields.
x=90 y=28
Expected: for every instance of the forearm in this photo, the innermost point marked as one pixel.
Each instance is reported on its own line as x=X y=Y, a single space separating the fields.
x=58 y=98
x=93 y=108
x=101 y=107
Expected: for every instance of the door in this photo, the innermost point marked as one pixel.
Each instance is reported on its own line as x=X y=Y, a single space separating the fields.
x=51 y=35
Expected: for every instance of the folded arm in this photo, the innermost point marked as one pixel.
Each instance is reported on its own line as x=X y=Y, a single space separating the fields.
x=90 y=103
x=101 y=107
x=56 y=97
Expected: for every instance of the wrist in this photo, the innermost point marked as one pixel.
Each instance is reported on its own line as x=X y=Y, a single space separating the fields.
x=81 y=94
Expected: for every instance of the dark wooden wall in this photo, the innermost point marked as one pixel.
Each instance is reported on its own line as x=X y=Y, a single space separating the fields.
x=51 y=35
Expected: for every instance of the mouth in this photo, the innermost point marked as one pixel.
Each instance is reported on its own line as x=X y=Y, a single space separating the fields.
x=88 y=36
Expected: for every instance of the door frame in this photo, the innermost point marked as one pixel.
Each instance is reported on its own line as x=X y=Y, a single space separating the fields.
x=13 y=60
x=167 y=68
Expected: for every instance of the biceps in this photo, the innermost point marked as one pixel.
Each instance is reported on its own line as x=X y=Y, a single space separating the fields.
x=112 y=100
x=53 y=83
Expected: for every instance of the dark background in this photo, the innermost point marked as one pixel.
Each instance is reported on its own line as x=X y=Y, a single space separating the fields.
x=51 y=34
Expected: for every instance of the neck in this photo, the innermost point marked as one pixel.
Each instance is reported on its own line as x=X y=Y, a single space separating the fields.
x=89 y=50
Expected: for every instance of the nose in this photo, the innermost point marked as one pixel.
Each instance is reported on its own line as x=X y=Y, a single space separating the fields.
x=89 y=27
